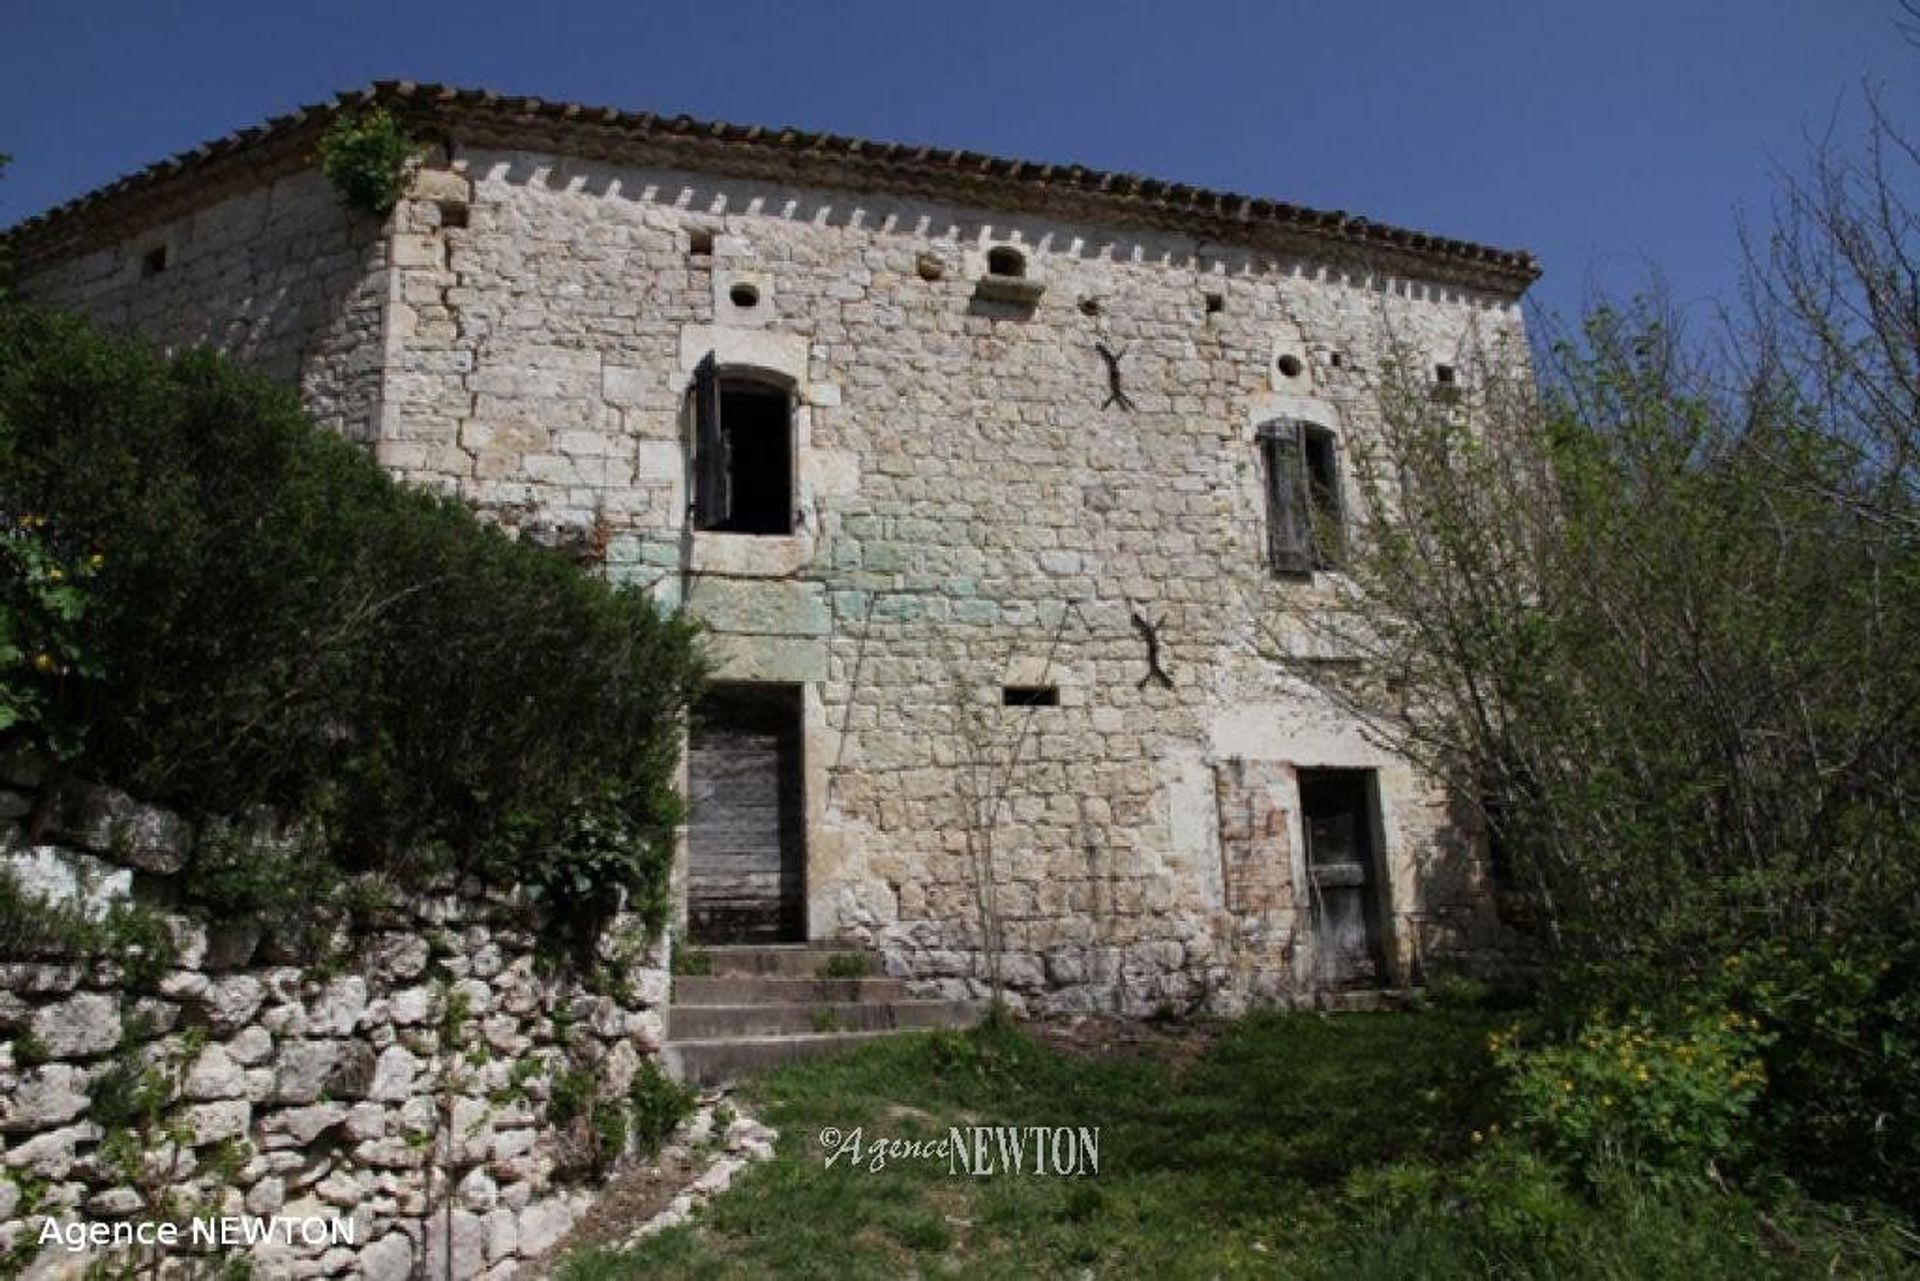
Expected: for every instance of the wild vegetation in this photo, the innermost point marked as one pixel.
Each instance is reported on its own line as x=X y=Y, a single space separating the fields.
x=1662 y=617
x=366 y=157
x=216 y=606
x=1295 y=1146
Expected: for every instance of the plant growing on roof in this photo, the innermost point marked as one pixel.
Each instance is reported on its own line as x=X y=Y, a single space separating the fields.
x=366 y=157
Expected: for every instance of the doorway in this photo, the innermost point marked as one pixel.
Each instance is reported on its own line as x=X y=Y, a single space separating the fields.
x=746 y=828
x=1340 y=814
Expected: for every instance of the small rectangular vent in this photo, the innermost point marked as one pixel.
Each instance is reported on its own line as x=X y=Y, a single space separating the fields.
x=1030 y=696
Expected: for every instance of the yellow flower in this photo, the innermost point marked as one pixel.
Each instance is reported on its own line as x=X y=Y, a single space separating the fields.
x=1477 y=1136
x=43 y=662
x=96 y=560
x=1566 y=1086
x=55 y=574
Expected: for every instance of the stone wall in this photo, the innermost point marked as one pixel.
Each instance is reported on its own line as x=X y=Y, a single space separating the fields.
x=976 y=509
x=283 y=276
x=400 y=1085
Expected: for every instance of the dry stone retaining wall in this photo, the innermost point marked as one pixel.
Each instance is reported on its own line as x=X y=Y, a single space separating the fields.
x=403 y=1087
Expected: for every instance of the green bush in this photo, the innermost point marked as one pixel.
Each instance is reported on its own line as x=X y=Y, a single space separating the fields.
x=277 y=623
x=129 y=935
x=1638 y=1092
x=366 y=158
x=43 y=600
x=657 y=1103
x=1843 y=1061
x=1505 y=1212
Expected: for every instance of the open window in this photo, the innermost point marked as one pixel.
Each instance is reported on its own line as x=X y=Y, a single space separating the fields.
x=743 y=451
x=1305 y=523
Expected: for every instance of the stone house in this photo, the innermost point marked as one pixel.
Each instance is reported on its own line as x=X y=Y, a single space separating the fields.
x=997 y=484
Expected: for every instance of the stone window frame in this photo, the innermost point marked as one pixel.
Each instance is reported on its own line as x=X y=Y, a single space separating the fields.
x=712 y=445
x=765 y=355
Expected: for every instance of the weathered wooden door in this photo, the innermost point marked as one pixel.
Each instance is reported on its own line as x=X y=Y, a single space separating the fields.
x=746 y=837
x=1343 y=875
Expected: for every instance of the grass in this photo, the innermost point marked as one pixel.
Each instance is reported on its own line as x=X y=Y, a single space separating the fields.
x=1296 y=1145
x=846 y=965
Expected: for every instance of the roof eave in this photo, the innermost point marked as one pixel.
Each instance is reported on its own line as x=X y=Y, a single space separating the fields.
x=476 y=117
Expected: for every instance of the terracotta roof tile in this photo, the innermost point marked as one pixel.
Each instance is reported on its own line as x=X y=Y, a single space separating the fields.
x=284 y=143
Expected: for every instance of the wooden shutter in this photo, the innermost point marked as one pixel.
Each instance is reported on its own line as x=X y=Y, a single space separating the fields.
x=1330 y=532
x=1289 y=535
x=712 y=491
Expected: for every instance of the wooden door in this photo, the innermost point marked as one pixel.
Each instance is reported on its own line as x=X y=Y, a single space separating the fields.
x=746 y=836
x=1343 y=875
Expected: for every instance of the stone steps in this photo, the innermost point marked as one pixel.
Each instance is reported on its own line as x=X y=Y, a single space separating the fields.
x=764 y=1005
x=723 y=1060
x=701 y=1022
x=791 y=960
x=691 y=989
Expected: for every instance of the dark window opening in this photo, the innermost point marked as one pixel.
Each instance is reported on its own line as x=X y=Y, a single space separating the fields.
x=1305 y=524
x=453 y=213
x=1006 y=262
x=1030 y=696
x=700 y=242
x=154 y=261
x=1444 y=375
x=743 y=454
x=1500 y=852
x=1216 y=303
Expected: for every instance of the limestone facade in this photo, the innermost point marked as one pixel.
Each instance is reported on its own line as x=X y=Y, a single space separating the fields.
x=974 y=509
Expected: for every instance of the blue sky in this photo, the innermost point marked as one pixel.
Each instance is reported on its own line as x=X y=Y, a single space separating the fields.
x=1611 y=139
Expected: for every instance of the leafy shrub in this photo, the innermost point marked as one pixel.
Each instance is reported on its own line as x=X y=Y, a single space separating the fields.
x=657 y=1103
x=570 y=1096
x=1639 y=1092
x=366 y=158
x=1843 y=1060
x=237 y=872
x=129 y=935
x=43 y=599
x=1506 y=1212
x=278 y=623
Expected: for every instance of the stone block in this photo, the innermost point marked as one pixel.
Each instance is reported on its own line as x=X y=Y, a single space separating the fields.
x=112 y=824
x=84 y=1025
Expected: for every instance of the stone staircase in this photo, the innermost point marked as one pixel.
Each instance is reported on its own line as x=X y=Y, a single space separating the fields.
x=765 y=1004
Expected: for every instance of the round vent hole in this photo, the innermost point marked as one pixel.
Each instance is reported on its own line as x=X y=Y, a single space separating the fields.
x=1290 y=365
x=744 y=296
